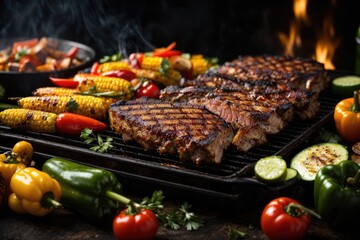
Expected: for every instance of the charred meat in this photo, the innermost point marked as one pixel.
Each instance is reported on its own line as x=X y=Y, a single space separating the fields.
x=294 y=72
x=191 y=132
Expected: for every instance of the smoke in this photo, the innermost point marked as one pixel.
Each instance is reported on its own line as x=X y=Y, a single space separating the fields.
x=99 y=24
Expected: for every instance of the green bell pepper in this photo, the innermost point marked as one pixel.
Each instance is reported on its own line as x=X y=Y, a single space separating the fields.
x=337 y=193
x=93 y=192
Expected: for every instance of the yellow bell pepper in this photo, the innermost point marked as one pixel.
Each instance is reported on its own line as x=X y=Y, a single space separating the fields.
x=36 y=190
x=347 y=118
x=15 y=204
x=8 y=166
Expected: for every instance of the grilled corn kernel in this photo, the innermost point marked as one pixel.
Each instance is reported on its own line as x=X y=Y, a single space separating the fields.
x=29 y=120
x=199 y=64
x=156 y=64
x=111 y=66
x=90 y=106
x=172 y=77
x=53 y=91
x=108 y=84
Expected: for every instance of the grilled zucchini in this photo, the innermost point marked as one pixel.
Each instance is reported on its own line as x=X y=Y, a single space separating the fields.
x=308 y=161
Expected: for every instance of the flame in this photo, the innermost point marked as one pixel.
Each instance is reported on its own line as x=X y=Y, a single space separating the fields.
x=326 y=42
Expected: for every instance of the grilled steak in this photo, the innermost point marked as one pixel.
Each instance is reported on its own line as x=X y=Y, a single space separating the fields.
x=192 y=133
x=248 y=137
x=295 y=73
x=305 y=102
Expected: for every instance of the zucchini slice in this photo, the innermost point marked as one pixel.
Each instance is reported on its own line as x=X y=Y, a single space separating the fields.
x=308 y=161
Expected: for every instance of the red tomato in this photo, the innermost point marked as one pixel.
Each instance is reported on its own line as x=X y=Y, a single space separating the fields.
x=124 y=74
x=143 y=225
x=280 y=221
x=73 y=124
x=149 y=90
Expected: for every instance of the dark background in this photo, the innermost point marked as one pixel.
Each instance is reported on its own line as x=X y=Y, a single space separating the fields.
x=224 y=29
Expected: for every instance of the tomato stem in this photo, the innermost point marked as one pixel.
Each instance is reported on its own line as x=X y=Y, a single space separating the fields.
x=356 y=106
x=289 y=209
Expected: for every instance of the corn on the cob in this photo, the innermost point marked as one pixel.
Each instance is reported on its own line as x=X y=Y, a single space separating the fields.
x=110 y=66
x=156 y=64
x=108 y=84
x=172 y=77
x=90 y=106
x=29 y=120
x=199 y=64
x=53 y=91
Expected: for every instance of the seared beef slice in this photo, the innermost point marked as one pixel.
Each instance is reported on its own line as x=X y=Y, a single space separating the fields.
x=191 y=132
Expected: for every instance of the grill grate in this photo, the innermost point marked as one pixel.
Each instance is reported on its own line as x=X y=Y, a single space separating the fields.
x=230 y=181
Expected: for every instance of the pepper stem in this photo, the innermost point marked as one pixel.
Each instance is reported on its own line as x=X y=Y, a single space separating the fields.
x=353 y=181
x=53 y=203
x=120 y=198
x=302 y=208
x=48 y=201
x=356 y=106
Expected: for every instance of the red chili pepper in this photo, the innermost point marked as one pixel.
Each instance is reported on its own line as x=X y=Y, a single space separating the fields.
x=149 y=90
x=169 y=53
x=124 y=74
x=64 y=82
x=95 y=68
x=73 y=124
x=143 y=225
x=71 y=53
x=285 y=218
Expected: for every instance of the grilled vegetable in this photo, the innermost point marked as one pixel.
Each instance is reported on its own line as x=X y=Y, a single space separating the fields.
x=107 y=84
x=93 y=192
x=337 y=193
x=166 y=52
x=39 y=121
x=156 y=64
x=64 y=82
x=110 y=66
x=308 y=161
x=149 y=90
x=89 y=106
x=347 y=118
x=37 y=192
x=199 y=64
x=27 y=119
x=53 y=91
x=124 y=74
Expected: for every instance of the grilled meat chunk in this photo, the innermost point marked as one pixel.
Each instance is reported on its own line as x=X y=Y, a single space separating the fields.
x=192 y=133
x=305 y=102
x=294 y=72
x=248 y=137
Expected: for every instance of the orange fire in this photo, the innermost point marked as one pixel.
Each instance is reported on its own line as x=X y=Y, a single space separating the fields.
x=326 y=41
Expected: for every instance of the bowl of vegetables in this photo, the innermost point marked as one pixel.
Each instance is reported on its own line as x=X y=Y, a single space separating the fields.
x=27 y=64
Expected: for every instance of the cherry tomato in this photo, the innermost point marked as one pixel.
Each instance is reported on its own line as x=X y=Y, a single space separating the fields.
x=280 y=220
x=143 y=225
x=25 y=152
x=73 y=124
x=124 y=74
x=149 y=90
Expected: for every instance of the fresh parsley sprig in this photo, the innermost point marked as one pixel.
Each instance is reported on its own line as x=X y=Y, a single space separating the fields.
x=88 y=136
x=174 y=219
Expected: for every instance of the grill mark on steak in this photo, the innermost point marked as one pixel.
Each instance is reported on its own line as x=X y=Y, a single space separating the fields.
x=192 y=133
x=295 y=72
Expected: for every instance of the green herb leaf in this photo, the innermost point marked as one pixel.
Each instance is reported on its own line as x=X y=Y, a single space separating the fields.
x=113 y=58
x=72 y=105
x=164 y=66
x=88 y=137
x=235 y=234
